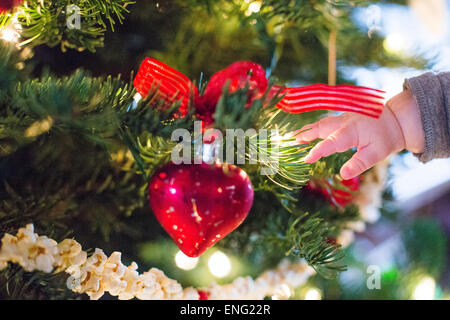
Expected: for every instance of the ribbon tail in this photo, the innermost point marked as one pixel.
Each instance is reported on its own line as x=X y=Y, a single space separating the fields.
x=350 y=98
x=170 y=84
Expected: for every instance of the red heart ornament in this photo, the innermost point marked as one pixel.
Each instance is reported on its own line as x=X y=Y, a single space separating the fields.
x=199 y=204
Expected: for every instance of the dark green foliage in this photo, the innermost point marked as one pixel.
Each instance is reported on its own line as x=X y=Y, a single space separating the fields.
x=15 y=283
x=308 y=13
x=8 y=73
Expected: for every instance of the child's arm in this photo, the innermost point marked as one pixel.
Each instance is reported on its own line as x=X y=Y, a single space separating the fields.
x=431 y=93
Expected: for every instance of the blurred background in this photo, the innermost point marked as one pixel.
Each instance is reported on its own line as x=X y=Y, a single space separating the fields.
x=379 y=44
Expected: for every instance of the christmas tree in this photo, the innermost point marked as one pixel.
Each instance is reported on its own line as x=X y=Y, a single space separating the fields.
x=86 y=136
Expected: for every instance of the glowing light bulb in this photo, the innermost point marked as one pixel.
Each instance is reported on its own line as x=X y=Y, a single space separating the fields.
x=184 y=262
x=283 y=292
x=313 y=294
x=39 y=127
x=425 y=289
x=219 y=264
x=254 y=6
x=286 y=140
x=11 y=33
x=395 y=43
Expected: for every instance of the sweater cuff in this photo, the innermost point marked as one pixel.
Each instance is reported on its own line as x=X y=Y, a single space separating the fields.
x=427 y=92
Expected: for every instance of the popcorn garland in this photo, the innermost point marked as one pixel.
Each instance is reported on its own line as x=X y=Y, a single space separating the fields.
x=98 y=273
x=277 y=283
x=94 y=275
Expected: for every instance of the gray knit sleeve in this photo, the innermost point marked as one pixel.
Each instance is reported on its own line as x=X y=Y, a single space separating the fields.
x=432 y=95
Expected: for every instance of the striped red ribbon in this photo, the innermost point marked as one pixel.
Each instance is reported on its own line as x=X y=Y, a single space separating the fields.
x=171 y=85
x=362 y=100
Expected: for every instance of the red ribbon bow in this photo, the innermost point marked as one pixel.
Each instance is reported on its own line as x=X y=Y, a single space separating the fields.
x=174 y=86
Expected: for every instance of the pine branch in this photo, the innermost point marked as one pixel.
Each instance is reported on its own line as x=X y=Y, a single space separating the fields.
x=285 y=157
x=17 y=284
x=47 y=22
x=155 y=151
x=330 y=166
x=306 y=237
x=109 y=10
x=77 y=103
x=155 y=116
x=233 y=110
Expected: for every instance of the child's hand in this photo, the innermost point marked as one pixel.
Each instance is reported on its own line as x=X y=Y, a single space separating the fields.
x=399 y=127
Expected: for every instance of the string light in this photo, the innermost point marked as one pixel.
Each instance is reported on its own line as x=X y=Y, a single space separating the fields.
x=253 y=7
x=184 y=262
x=286 y=140
x=283 y=292
x=313 y=294
x=425 y=289
x=11 y=32
x=39 y=127
x=9 y=35
x=219 y=264
x=395 y=43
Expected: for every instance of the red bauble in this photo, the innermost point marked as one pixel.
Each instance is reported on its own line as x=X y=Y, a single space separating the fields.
x=202 y=295
x=337 y=196
x=343 y=197
x=199 y=204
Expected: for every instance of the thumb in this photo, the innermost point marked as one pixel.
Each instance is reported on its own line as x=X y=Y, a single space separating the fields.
x=364 y=159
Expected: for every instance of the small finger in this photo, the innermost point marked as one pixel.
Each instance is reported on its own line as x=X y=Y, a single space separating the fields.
x=339 y=141
x=320 y=129
x=362 y=160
